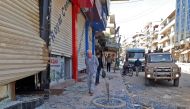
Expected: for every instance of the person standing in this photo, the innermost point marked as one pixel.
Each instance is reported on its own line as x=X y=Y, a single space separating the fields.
x=99 y=68
x=109 y=61
x=137 y=66
x=92 y=63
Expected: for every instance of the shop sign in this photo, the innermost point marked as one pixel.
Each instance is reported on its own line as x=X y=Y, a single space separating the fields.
x=57 y=70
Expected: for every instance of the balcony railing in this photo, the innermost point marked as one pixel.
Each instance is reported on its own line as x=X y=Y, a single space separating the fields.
x=167 y=27
x=155 y=41
x=164 y=39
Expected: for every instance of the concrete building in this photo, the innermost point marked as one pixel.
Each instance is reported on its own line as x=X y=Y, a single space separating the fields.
x=166 y=33
x=151 y=32
x=139 y=40
x=182 y=38
x=40 y=50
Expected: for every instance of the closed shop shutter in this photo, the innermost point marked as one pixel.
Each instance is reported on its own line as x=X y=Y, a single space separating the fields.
x=61 y=28
x=90 y=38
x=22 y=52
x=81 y=42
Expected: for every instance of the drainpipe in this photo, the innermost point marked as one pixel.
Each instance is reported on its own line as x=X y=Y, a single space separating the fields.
x=93 y=42
x=75 y=9
x=86 y=35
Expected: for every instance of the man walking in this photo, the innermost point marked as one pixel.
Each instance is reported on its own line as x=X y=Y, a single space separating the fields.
x=91 y=67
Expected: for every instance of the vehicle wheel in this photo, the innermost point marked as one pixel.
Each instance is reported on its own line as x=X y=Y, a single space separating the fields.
x=176 y=82
x=147 y=82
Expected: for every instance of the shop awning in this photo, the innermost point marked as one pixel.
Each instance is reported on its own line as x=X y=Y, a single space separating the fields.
x=86 y=3
x=186 y=51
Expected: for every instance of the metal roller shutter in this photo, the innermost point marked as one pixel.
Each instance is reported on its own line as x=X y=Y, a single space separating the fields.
x=61 y=28
x=81 y=42
x=90 y=38
x=22 y=52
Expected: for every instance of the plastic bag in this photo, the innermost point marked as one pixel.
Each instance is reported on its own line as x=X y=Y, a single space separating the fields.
x=103 y=74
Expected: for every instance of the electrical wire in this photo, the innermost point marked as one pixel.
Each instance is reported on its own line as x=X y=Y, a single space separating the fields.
x=144 y=13
x=124 y=2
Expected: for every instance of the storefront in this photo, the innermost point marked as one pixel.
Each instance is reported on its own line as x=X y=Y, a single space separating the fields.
x=60 y=41
x=22 y=52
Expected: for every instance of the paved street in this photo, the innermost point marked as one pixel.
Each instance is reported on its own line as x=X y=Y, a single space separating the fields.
x=77 y=97
x=131 y=89
x=161 y=94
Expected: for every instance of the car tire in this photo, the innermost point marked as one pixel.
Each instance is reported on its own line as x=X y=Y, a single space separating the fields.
x=176 y=82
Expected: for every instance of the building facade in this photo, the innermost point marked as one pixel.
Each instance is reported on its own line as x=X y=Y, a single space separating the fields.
x=139 y=40
x=182 y=38
x=167 y=33
x=151 y=32
x=44 y=42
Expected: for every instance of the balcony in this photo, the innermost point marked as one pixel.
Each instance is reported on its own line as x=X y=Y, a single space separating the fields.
x=167 y=27
x=166 y=38
x=168 y=48
x=155 y=41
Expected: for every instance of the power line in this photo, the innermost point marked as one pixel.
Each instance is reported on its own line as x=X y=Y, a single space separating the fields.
x=144 y=13
x=125 y=2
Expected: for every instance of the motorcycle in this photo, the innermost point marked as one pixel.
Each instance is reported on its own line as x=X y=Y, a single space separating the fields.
x=128 y=71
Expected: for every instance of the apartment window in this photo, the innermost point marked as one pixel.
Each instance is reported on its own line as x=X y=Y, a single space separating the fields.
x=188 y=19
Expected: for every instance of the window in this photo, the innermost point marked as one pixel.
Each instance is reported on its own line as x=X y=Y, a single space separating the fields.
x=136 y=55
x=157 y=58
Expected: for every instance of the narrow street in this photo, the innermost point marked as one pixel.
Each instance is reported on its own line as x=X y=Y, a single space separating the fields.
x=69 y=54
x=162 y=93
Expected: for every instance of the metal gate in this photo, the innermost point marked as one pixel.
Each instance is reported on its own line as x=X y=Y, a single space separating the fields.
x=61 y=28
x=90 y=38
x=81 y=42
x=22 y=52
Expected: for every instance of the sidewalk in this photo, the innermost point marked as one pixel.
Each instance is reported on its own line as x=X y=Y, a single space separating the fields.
x=185 y=67
x=77 y=97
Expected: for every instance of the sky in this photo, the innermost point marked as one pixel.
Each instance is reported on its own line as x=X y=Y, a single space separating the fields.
x=133 y=15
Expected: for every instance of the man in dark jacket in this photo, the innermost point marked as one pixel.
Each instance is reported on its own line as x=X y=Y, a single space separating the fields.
x=137 y=66
x=99 y=68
